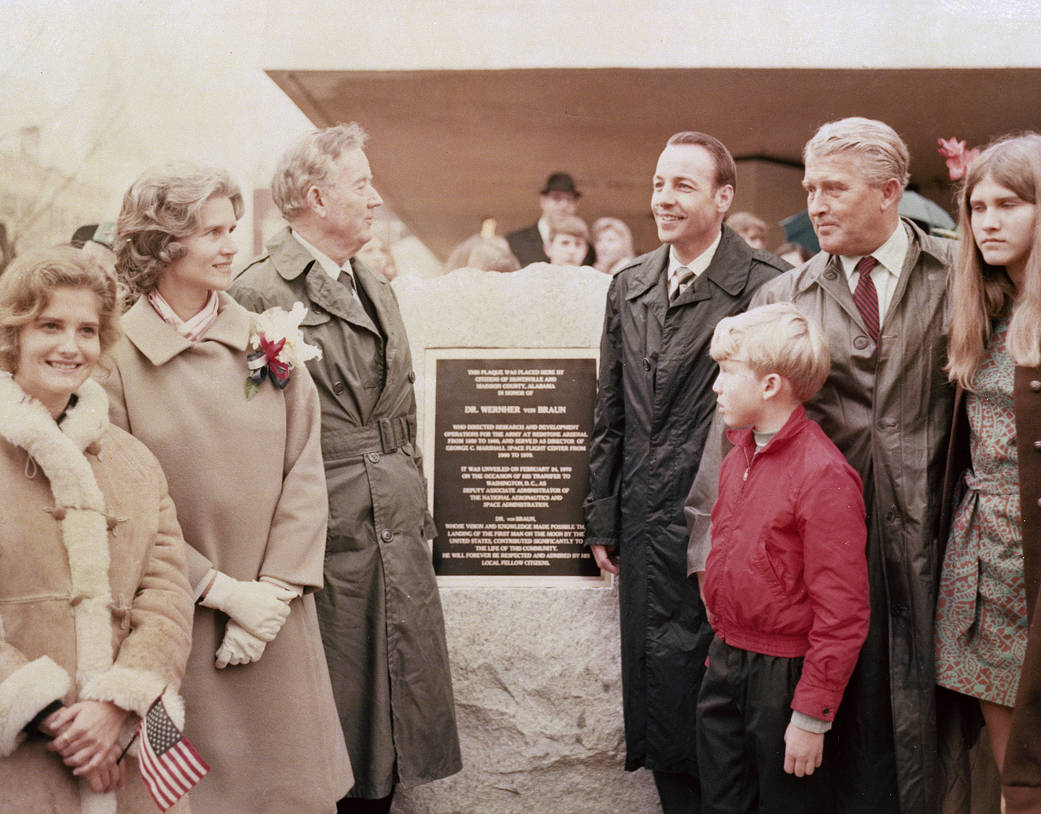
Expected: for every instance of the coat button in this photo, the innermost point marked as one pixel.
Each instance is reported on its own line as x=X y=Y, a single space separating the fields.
x=386 y=535
x=860 y=342
x=830 y=274
x=412 y=376
x=646 y=363
x=1037 y=446
x=1035 y=386
x=338 y=388
x=374 y=457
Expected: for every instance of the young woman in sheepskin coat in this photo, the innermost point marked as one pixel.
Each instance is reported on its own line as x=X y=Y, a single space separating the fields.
x=95 y=612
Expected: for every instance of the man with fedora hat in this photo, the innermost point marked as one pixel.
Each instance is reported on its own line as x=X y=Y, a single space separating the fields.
x=558 y=197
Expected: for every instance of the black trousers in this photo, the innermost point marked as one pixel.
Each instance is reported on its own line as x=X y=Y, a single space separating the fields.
x=743 y=712
x=678 y=793
x=359 y=805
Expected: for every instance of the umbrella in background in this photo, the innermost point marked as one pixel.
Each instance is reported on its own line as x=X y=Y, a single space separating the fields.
x=930 y=216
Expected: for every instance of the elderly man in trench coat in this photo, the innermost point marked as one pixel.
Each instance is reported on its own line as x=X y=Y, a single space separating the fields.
x=380 y=613
x=887 y=405
x=654 y=402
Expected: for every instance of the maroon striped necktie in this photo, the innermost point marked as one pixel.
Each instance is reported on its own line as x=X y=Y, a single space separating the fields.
x=866 y=296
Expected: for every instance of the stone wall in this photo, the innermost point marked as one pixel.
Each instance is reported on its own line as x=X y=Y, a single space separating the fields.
x=538 y=698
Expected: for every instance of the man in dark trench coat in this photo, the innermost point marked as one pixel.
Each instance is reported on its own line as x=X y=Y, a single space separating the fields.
x=380 y=612
x=654 y=403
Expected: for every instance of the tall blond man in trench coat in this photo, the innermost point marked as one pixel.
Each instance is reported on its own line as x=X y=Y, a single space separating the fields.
x=380 y=612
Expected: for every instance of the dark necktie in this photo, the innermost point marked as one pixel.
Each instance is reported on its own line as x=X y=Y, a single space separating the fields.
x=680 y=280
x=866 y=296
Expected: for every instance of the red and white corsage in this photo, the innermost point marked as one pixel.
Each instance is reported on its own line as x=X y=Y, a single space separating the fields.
x=278 y=346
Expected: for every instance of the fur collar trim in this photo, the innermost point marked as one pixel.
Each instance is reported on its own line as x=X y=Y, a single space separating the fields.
x=79 y=506
x=26 y=423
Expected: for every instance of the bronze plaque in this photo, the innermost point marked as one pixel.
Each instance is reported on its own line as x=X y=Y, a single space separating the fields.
x=510 y=466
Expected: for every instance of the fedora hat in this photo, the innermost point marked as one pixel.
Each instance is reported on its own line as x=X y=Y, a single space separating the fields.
x=561 y=182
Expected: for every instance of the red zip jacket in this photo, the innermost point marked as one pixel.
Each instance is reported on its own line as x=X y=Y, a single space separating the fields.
x=787 y=574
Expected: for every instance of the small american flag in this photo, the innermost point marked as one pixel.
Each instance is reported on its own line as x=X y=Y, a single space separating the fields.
x=170 y=766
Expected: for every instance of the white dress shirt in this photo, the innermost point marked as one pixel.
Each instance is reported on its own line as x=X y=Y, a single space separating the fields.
x=886 y=274
x=328 y=265
x=697 y=265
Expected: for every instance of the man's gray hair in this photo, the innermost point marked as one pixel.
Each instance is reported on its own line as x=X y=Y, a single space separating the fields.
x=884 y=153
x=308 y=163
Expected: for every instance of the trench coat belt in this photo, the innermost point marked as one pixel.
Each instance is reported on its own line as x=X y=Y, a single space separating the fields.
x=384 y=435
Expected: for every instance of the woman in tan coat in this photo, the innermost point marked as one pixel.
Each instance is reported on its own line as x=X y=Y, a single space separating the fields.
x=230 y=411
x=95 y=612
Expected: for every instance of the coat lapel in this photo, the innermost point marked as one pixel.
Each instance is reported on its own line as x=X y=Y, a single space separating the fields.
x=396 y=345
x=730 y=268
x=334 y=298
x=648 y=285
x=160 y=343
x=291 y=260
x=832 y=279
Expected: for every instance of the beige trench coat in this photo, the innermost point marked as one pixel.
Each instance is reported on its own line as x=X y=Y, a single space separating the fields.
x=94 y=602
x=247 y=479
x=380 y=612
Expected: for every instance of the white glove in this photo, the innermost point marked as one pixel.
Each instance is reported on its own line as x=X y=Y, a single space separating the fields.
x=239 y=646
x=260 y=607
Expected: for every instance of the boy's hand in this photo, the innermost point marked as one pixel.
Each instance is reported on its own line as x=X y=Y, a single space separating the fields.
x=803 y=751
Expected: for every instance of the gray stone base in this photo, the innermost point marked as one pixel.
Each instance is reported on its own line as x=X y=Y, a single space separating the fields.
x=538 y=696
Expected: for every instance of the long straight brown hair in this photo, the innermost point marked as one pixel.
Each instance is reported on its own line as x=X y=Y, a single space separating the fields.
x=981 y=292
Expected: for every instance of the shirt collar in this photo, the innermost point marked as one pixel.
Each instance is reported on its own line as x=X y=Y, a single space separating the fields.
x=326 y=262
x=699 y=263
x=543 y=225
x=890 y=255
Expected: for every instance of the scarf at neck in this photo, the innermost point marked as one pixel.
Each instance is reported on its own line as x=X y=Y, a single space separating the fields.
x=193 y=329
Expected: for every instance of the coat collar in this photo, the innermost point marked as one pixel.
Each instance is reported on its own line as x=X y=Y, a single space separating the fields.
x=288 y=256
x=58 y=450
x=160 y=343
x=291 y=260
x=826 y=271
x=745 y=436
x=729 y=270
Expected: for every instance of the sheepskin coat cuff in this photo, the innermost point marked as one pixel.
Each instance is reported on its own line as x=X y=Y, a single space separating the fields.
x=127 y=687
x=24 y=693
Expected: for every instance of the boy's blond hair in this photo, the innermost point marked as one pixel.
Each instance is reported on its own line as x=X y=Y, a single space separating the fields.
x=568 y=225
x=777 y=339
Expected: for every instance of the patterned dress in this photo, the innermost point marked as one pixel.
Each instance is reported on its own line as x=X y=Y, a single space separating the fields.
x=981 y=615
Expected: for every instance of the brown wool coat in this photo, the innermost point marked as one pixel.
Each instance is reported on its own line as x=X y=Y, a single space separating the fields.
x=380 y=612
x=247 y=479
x=94 y=602
x=1023 y=759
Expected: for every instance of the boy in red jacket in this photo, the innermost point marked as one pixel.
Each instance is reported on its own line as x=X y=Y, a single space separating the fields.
x=785 y=583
